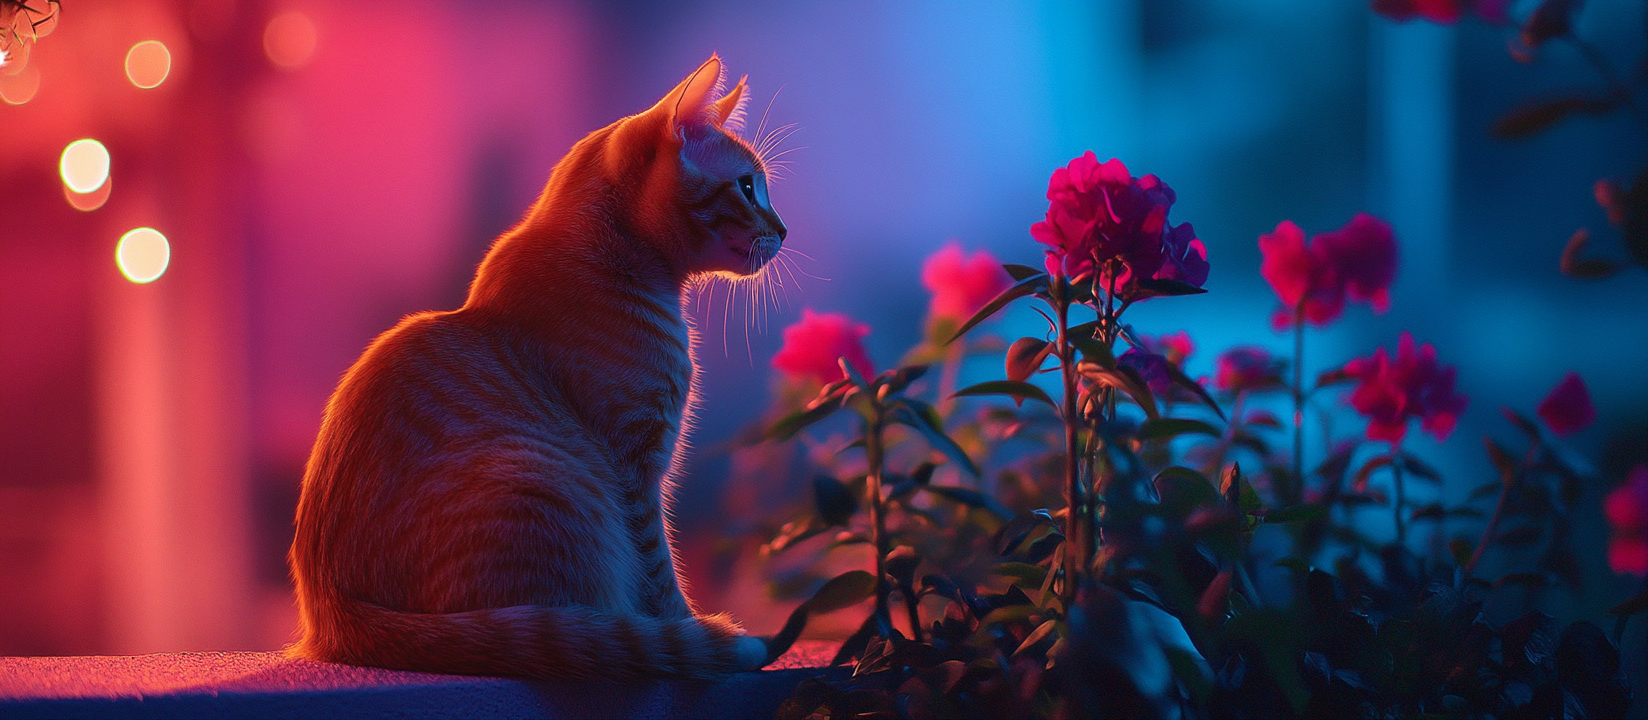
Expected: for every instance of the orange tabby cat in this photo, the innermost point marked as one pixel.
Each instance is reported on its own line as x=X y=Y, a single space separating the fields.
x=486 y=495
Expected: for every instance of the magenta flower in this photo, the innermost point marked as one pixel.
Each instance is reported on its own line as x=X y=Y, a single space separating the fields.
x=812 y=346
x=1151 y=366
x=1102 y=219
x=1414 y=385
x=1568 y=408
x=961 y=283
x=1176 y=347
x=1363 y=254
x=1356 y=261
x=1552 y=19
x=1445 y=12
x=1247 y=368
x=1627 y=511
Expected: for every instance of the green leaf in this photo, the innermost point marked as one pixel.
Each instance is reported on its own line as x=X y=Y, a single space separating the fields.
x=924 y=419
x=1415 y=467
x=845 y=590
x=1487 y=490
x=1035 y=636
x=1237 y=491
x=1125 y=379
x=1010 y=388
x=971 y=498
x=1025 y=286
x=834 y=501
x=1168 y=428
x=1095 y=351
x=853 y=375
x=1360 y=480
x=1520 y=536
x=1296 y=564
x=1461 y=550
x=897 y=380
x=1025 y=356
x=1183 y=490
x=1583 y=268
x=1332 y=377
x=795 y=422
x=1522 y=423
x=1020 y=272
x=1296 y=513
x=1632 y=605
x=1025 y=573
x=1184 y=381
x=1014 y=533
x=1168 y=287
x=1525 y=579
x=1502 y=460
x=1538 y=116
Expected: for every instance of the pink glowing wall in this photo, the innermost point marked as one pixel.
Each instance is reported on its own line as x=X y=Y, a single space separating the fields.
x=145 y=430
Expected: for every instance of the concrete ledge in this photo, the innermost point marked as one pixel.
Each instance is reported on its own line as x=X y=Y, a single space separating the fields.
x=269 y=685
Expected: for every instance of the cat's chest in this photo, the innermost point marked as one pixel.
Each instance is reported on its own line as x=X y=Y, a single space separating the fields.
x=634 y=395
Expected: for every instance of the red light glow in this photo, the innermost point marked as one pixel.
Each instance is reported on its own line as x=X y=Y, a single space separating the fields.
x=143 y=255
x=289 y=40
x=148 y=63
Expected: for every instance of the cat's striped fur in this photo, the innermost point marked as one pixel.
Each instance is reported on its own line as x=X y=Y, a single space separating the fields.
x=487 y=492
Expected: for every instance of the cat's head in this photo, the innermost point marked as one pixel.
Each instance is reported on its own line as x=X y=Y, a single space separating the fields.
x=698 y=188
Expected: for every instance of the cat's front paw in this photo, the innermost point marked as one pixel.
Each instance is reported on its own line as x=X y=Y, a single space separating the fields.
x=752 y=653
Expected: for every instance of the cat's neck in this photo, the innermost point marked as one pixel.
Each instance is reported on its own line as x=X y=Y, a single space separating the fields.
x=557 y=262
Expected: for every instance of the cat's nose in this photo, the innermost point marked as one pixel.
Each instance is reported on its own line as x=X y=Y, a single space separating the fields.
x=782 y=231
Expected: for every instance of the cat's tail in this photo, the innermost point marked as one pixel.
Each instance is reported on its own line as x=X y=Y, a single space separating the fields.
x=532 y=641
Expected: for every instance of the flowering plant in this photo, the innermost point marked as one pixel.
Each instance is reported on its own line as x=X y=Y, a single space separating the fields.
x=1089 y=550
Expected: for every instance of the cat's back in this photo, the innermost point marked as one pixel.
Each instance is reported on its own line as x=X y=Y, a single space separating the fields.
x=437 y=389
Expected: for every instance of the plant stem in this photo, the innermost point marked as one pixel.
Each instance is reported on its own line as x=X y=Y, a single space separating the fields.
x=1506 y=484
x=1488 y=532
x=947 y=376
x=1604 y=68
x=1075 y=504
x=878 y=521
x=914 y=609
x=1295 y=487
x=1401 y=496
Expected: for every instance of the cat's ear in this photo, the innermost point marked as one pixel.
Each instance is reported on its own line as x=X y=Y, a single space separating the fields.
x=728 y=112
x=689 y=102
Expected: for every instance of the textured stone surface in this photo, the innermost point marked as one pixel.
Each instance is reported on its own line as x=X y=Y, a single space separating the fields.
x=270 y=685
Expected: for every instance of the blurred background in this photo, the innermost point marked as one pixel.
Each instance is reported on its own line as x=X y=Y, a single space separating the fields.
x=314 y=171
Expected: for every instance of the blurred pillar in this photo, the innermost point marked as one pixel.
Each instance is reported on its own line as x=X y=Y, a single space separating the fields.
x=1412 y=143
x=170 y=364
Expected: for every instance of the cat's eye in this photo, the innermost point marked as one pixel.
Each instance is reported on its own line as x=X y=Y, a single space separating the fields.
x=747 y=184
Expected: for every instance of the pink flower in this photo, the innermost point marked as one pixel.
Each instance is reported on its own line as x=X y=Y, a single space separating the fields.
x=1568 y=408
x=1363 y=253
x=1552 y=19
x=1445 y=12
x=1356 y=261
x=961 y=284
x=1247 y=368
x=1414 y=385
x=1102 y=219
x=812 y=346
x=1176 y=347
x=1627 y=511
x=1300 y=273
x=1151 y=367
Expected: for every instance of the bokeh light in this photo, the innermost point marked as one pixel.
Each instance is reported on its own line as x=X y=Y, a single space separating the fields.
x=143 y=255
x=148 y=63
x=87 y=202
x=289 y=39
x=84 y=166
x=20 y=88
